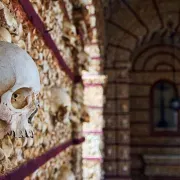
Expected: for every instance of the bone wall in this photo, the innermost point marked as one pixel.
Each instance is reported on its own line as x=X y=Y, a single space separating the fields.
x=93 y=147
x=72 y=26
x=49 y=131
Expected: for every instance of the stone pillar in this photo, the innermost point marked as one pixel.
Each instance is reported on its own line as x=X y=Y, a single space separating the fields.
x=93 y=146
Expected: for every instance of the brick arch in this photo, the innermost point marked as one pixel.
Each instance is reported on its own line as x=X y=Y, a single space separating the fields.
x=161 y=66
x=151 y=62
x=140 y=61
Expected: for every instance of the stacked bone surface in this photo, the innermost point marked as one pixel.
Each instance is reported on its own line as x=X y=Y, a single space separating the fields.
x=25 y=111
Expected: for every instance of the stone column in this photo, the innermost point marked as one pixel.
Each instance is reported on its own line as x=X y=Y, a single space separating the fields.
x=93 y=146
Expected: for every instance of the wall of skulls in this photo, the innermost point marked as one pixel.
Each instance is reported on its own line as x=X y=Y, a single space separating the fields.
x=50 y=129
x=72 y=26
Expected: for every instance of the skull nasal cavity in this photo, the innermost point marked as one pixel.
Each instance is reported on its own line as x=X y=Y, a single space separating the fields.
x=19 y=98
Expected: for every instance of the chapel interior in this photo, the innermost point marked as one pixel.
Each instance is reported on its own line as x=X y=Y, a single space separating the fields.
x=89 y=89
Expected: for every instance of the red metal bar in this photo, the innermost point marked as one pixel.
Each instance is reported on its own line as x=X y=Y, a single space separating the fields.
x=98 y=58
x=39 y=25
x=32 y=165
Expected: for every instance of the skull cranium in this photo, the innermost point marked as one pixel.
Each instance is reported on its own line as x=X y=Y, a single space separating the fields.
x=60 y=103
x=19 y=87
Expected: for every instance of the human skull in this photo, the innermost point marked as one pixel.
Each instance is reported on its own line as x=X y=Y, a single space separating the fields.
x=60 y=104
x=19 y=87
x=69 y=32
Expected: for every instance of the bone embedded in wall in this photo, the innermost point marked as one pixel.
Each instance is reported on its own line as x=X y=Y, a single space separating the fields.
x=69 y=31
x=66 y=173
x=7 y=147
x=2 y=155
x=6 y=17
x=5 y=35
x=60 y=103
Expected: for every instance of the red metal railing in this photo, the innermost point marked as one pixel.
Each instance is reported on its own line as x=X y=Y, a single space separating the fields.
x=32 y=165
x=39 y=25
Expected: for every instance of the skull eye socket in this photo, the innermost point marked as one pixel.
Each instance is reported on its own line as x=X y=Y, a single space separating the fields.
x=19 y=98
x=15 y=96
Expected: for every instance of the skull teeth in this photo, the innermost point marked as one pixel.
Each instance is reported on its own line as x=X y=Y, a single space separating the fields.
x=32 y=134
x=20 y=134
x=26 y=134
x=12 y=133
x=29 y=134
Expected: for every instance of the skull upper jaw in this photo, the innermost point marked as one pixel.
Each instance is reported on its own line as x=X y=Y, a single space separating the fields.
x=16 y=124
x=20 y=127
